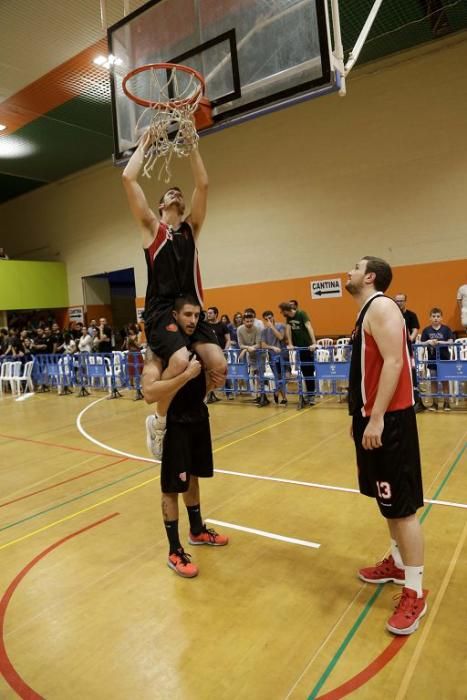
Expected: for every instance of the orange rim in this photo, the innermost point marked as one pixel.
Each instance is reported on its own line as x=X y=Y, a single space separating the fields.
x=161 y=105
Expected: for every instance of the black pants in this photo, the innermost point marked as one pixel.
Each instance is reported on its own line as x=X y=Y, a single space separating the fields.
x=308 y=371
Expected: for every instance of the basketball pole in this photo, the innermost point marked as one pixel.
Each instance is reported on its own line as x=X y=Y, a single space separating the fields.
x=355 y=53
x=338 y=53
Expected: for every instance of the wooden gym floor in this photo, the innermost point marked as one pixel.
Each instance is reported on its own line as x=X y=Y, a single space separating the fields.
x=90 y=611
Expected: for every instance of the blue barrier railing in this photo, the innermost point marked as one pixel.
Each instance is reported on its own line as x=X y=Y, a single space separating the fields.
x=86 y=372
x=295 y=372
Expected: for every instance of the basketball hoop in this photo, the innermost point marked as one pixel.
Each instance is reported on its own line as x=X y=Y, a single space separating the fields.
x=173 y=93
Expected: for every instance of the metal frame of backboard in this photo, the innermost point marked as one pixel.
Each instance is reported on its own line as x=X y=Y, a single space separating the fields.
x=333 y=69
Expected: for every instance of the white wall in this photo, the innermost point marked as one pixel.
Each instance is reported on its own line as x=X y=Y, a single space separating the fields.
x=299 y=192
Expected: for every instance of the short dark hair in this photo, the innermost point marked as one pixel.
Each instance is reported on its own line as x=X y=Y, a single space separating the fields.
x=294 y=301
x=186 y=299
x=382 y=270
x=162 y=198
x=215 y=309
x=267 y=313
x=436 y=310
x=250 y=311
x=285 y=306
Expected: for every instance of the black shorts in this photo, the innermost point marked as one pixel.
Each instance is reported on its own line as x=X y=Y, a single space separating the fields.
x=187 y=451
x=164 y=337
x=391 y=473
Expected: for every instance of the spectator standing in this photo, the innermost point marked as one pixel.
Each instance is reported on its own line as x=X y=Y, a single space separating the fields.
x=85 y=341
x=273 y=340
x=259 y=324
x=413 y=327
x=104 y=334
x=223 y=338
x=300 y=334
x=249 y=341
x=437 y=334
x=462 y=304
x=233 y=328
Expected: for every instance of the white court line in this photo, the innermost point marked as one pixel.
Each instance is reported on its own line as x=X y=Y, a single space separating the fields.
x=263 y=533
x=102 y=444
x=288 y=481
x=308 y=484
x=23 y=397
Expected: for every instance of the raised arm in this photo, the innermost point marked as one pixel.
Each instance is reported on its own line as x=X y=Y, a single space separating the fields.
x=140 y=209
x=199 y=198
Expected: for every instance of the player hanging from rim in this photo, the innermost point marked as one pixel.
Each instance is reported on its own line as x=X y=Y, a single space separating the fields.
x=169 y=242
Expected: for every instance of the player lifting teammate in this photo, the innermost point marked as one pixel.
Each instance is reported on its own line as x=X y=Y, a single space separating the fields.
x=187 y=453
x=169 y=242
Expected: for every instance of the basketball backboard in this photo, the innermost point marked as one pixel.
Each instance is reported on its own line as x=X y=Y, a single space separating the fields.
x=255 y=55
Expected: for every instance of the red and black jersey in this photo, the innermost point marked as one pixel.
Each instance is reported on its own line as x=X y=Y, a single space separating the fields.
x=365 y=370
x=172 y=261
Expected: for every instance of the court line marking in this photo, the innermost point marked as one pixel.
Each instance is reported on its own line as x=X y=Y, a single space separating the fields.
x=264 y=533
x=89 y=437
x=60 y=483
x=71 y=500
x=353 y=630
x=74 y=515
x=7 y=669
x=410 y=670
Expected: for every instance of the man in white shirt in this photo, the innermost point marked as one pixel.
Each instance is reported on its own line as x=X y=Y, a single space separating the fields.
x=462 y=303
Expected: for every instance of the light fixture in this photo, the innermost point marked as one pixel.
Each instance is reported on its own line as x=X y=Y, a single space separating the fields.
x=108 y=61
x=2 y=127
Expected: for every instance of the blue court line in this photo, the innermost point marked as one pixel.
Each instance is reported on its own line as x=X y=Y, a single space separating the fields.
x=332 y=664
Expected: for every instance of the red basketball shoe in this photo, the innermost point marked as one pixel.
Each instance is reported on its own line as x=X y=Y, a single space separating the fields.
x=408 y=613
x=384 y=572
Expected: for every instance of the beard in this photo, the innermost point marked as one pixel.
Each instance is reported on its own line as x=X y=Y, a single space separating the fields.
x=352 y=288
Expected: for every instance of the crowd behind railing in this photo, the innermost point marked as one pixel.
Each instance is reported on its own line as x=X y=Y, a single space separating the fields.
x=264 y=365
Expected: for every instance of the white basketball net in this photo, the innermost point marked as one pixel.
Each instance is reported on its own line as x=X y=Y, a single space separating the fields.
x=171 y=127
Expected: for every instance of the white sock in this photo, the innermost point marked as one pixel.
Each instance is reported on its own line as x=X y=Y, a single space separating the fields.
x=396 y=554
x=414 y=579
x=161 y=422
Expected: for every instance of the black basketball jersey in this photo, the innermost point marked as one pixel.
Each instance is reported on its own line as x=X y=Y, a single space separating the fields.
x=187 y=406
x=172 y=262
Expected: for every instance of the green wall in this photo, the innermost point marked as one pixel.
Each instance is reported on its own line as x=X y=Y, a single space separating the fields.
x=32 y=285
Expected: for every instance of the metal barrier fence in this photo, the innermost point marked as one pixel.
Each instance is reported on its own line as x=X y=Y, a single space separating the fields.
x=440 y=371
x=86 y=372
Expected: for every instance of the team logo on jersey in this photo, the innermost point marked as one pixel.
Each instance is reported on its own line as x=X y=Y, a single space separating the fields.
x=182 y=476
x=171 y=327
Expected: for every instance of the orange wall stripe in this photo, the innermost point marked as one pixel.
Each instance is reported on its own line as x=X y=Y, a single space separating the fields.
x=53 y=89
x=426 y=285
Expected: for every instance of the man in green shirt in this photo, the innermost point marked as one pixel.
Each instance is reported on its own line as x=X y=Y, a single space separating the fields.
x=299 y=333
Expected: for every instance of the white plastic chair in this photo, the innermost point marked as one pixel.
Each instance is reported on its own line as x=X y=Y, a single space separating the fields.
x=25 y=377
x=5 y=374
x=325 y=342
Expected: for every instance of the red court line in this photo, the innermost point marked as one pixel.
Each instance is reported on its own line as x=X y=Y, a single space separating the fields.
x=7 y=669
x=60 y=483
x=65 y=447
x=394 y=646
x=367 y=674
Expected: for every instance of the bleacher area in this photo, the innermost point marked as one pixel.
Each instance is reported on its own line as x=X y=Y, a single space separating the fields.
x=85 y=373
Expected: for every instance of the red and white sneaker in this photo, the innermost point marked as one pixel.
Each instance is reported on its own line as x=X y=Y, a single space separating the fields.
x=384 y=572
x=408 y=613
x=180 y=563
x=208 y=536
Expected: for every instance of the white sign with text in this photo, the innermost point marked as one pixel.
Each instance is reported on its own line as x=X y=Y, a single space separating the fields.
x=326 y=289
